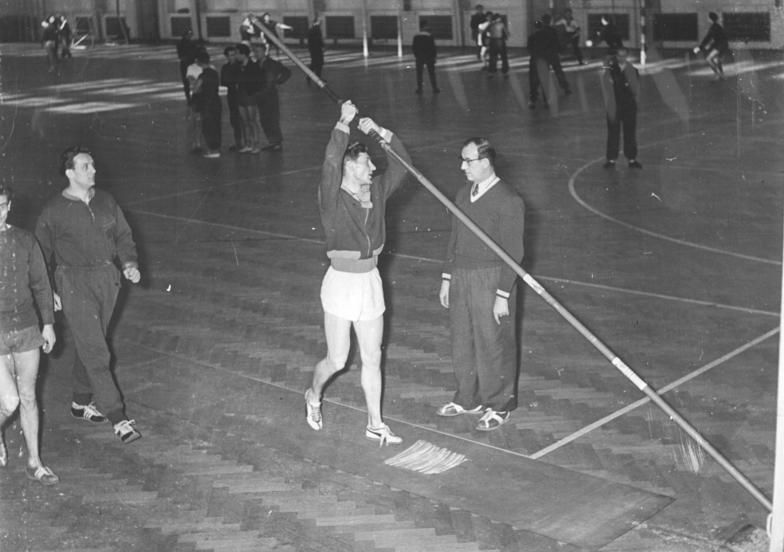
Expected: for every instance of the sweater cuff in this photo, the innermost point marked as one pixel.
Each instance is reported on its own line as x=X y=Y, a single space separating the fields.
x=502 y=294
x=446 y=276
x=342 y=127
x=386 y=134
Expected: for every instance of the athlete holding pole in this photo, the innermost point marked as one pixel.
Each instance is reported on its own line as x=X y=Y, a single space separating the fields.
x=533 y=284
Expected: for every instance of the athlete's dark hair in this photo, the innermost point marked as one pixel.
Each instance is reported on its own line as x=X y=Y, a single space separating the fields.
x=353 y=151
x=229 y=49
x=243 y=49
x=483 y=148
x=713 y=16
x=67 y=157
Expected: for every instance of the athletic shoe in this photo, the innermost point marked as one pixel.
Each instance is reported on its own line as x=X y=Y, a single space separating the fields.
x=383 y=435
x=313 y=412
x=211 y=155
x=453 y=409
x=493 y=419
x=126 y=432
x=246 y=149
x=87 y=412
x=272 y=147
x=634 y=164
x=42 y=474
x=609 y=164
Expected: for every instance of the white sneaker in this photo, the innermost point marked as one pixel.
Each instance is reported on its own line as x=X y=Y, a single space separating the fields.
x=313 y=412
x=126 y=432
x=383 y=435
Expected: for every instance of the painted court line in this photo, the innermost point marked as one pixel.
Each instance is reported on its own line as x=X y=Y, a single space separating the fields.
x=191 y=220
x=651 y=233
x=669 y=387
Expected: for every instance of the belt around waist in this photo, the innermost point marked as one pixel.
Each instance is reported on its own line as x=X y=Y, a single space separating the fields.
x=354 y=265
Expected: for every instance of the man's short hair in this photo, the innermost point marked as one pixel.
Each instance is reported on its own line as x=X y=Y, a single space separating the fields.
x=229 y=49
x=202 y=56
x=243 y=49
x=484 y=150
x=713 y=16
x=67 y=157
x=5 y=190
x=354 y=150
x=546 y=18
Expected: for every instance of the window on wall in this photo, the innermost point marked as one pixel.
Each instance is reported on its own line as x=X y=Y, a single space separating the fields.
x=595 y=24
x=383 y=27
x=440 y=25
x=340 y=26
x=676 y=27
x=299 y=26
x=218 y=26
x=113 y=27
x=752 y=26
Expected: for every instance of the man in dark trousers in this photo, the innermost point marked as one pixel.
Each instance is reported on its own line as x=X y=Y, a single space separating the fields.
x=479 y=290
x=552 y=52
x=230 y=78
x=609 y=34
x=498 y=34
x=316 y=49
x=424 y=48
x=186 y=52
x=538 y=69
x=273 y=74
x=83 y=234
x=207 y=103
x=620 y=83
x=477 y=18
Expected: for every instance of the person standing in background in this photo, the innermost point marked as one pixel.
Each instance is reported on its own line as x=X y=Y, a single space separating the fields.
x=425 y=52
x=316 y=49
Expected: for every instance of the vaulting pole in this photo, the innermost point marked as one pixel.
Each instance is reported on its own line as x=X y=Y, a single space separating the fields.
x=543 y=293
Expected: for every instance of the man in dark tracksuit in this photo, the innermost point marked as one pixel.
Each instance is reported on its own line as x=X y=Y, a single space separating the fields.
x=273 y=74
x=424 y=48
x=538 y=68
x=478 y=288
x=207 y=103
x=229 y=77
x=620 y=83
x=551 y=47
x=316 y=49
x=82 y=232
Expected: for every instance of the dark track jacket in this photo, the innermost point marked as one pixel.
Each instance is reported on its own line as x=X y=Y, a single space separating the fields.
x=355 y=233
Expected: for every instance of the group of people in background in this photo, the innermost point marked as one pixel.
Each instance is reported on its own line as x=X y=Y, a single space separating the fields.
x=251 y=77
x=56 y=36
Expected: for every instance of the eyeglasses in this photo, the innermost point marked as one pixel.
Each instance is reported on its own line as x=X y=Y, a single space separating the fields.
x=466 y=160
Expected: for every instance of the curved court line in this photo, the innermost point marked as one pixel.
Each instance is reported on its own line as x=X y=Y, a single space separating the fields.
x=651 y=233
x=669 y=387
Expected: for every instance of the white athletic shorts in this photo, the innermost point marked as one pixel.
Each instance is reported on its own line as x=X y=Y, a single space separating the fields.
x=353 y=296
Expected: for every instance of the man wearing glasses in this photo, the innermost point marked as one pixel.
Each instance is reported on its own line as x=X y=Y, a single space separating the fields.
x=478 y=288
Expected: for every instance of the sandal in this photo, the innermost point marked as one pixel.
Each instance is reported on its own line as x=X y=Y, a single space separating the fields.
x=313 y=412
x=493 y=419
x=453 y=409
x=42 y=474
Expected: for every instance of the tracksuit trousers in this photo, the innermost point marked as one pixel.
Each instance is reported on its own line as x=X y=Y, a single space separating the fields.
x=89 y=296
x=484 y=353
